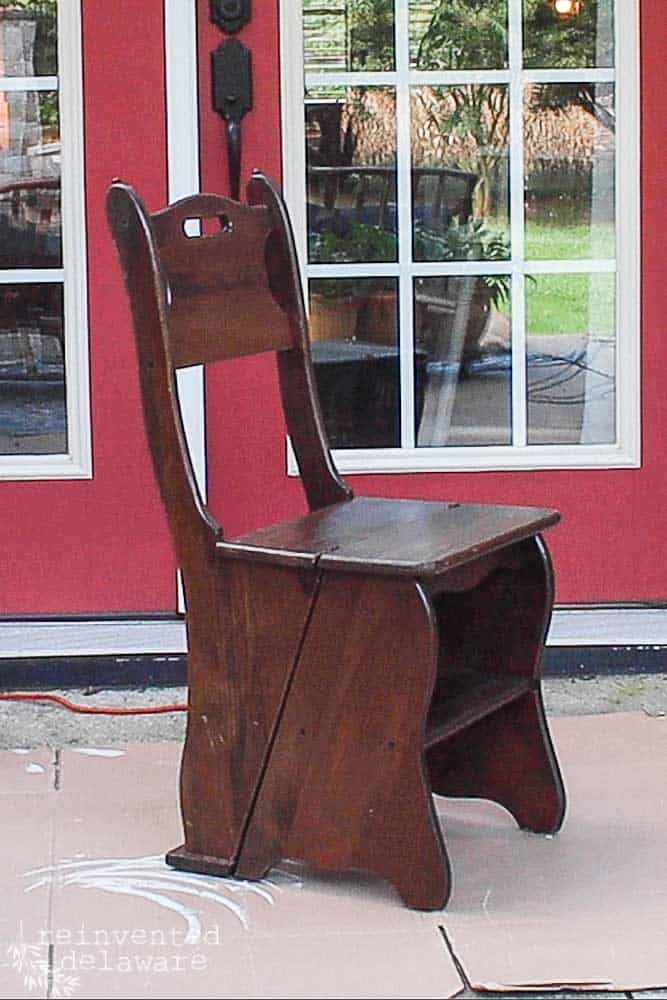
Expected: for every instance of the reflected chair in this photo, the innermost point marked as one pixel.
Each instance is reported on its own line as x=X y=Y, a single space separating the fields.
x=346 y=665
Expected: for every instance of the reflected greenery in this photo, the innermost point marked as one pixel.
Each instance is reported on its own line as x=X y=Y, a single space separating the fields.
x=472 y=34
x=362 y=242
x=349 y=34
x=471 y=239
x=371 y=34
x=458 y=34
x=585 y=39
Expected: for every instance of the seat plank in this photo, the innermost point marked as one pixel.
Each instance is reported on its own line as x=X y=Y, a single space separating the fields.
x=372 y=534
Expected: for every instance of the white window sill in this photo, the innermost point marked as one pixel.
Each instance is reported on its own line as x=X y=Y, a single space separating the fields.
x=482 y=459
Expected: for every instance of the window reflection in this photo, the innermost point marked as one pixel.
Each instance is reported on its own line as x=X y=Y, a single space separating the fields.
x=28 y=40
x=32 y=370
x=348 y=35
x=30 y=224
x=571 y=359
x=569 y=163
x=462 y=328
x=460 y=149
x=458 y=34
x=354 y=333
x=351 y=165
x=583 y=38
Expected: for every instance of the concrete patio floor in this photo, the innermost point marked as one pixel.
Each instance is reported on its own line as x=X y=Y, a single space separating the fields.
x=90 y=910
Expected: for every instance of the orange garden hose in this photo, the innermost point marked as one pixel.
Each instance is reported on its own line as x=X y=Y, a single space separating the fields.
x=90 y=709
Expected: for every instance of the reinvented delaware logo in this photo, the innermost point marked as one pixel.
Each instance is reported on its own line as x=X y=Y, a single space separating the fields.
x=148 y=878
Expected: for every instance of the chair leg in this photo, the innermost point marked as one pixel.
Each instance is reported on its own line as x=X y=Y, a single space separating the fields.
x=499 y=627
x=345 y=786
x=245 y=628
x=507 y=757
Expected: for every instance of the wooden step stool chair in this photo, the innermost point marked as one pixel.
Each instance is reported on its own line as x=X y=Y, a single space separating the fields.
x=345 y=665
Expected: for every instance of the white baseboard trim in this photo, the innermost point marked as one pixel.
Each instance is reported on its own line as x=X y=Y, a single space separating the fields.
x=609 y=626
x=126 y=637
x=31 y=638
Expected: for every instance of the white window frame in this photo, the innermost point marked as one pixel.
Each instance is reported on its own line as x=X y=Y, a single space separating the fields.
x=76 y=463
x=626 y=452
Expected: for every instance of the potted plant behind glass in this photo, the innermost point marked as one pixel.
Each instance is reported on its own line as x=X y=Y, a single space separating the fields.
x=462 y=241
x=335 y=303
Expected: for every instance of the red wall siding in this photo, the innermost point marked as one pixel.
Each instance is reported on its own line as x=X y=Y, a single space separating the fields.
x=610 y=546
x=102 y=545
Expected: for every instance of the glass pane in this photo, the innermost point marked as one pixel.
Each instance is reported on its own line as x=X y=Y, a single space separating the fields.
x=463 y=360
x=354 y=333
x=30 y=229
x=571 y=347
x=458 y=34
x=348 y=35
x=28 y=40
x=32 y=370
x=568 y=33
x=569 y=180
x=460 y=172
x=351 y=164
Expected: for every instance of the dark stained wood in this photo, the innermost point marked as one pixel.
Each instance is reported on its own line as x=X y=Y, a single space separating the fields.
x=497 y=633
x=465 y=696
x=373 y=534
x=193 y=529
x=241 y=655
x=219 y=302
x=344 y=665
x=508 y=757
x=321 y=482
x=345 y=787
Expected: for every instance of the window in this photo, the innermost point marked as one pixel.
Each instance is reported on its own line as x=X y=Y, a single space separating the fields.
x=469 y=229
x=44 y=419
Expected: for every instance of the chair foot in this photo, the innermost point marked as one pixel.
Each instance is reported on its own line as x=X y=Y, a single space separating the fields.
x=507 y=757
x=203 y=864
x=421 y=874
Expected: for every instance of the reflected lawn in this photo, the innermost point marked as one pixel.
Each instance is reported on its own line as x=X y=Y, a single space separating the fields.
x=571 y=303
x=549 y=241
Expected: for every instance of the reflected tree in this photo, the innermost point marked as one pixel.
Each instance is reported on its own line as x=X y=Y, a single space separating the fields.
x=472 y=34
x=371 y=34
x=461 y=34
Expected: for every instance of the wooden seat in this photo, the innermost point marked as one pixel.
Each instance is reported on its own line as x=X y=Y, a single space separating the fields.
x=343 y=666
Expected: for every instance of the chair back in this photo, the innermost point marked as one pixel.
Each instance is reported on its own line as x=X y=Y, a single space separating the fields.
x=211 y=279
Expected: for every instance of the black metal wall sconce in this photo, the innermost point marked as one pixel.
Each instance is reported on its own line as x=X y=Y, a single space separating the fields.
x=231 y=65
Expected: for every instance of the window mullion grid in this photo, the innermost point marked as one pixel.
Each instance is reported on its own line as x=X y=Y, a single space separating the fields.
x=404 y=199
x=20 y=83
x=517 y=226
x=29 y=276
x=349 y=78
x=627 y=207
